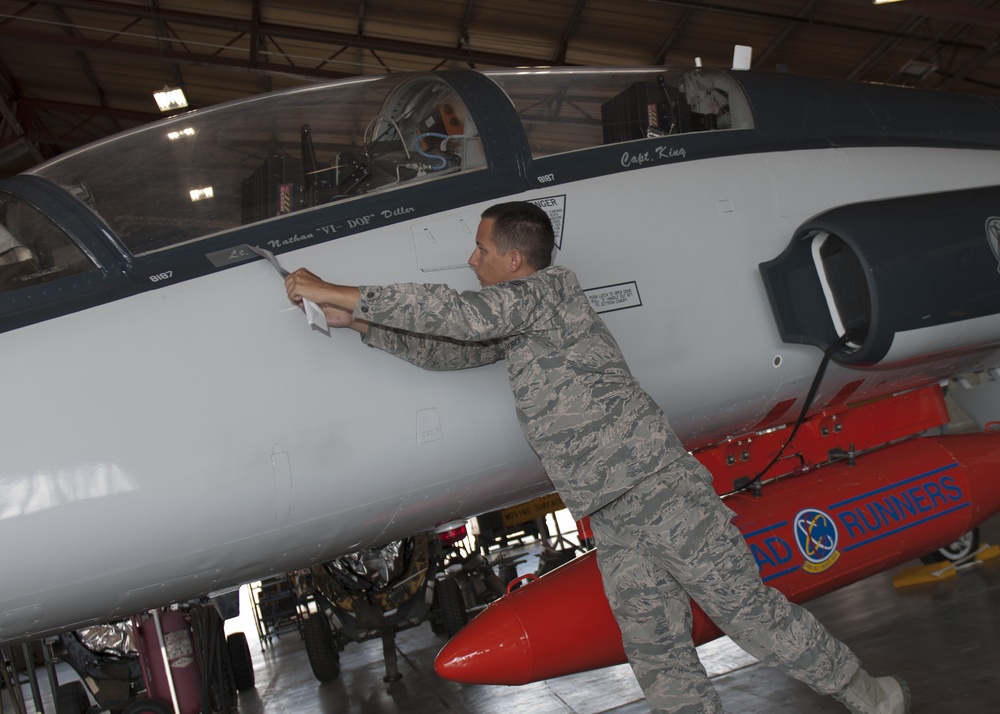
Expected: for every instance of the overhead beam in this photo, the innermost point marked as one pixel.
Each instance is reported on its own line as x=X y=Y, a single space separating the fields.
x=46 y=105
x=463 y=32
x=15 y=157
x=83 y=60
x=246 y=26
x=178 y=56
x=163 y=35
x=64 y=143
x=574 y=20
x=463 y=44
x=256 y=41
x=881 y=49
x=661 y=54
x=10 y=93
x=8 y=115
x=802 y=14
x=956 y=12
x=928 y=8
x=977 y=62
x=989 y=16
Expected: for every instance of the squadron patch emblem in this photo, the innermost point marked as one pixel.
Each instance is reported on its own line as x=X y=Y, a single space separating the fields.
x=816 y=537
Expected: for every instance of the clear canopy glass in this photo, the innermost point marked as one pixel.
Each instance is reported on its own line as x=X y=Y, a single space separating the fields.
x=217 y=169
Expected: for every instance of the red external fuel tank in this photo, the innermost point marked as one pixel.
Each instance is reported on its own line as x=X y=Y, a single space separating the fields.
x=810 y=534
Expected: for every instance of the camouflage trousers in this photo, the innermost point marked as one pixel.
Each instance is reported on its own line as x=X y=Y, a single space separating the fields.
x=670 y=539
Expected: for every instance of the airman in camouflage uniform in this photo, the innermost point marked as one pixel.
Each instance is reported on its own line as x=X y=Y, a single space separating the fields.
x=663 y=535
x=597 y=432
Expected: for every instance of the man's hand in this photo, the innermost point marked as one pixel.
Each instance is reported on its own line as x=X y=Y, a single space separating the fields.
x=337 y=301
x=303 y=284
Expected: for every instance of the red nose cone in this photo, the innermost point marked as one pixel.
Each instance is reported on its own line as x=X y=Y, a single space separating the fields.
x=496 y=651
x=561 y=623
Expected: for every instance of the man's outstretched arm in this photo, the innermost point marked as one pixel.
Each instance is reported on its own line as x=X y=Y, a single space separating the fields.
x=339 y=301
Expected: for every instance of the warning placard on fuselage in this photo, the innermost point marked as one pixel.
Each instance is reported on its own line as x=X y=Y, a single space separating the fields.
x=614 y=297
x=555 y=207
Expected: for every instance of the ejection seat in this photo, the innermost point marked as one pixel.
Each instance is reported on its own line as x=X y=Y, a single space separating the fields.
x=16 y=261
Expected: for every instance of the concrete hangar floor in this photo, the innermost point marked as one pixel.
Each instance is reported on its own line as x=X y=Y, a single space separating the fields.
x=943 y=638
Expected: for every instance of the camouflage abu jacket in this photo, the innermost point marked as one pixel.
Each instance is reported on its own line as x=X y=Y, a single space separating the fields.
x=596 y=431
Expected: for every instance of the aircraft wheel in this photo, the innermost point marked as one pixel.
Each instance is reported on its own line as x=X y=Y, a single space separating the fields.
x=241 y=661
x=72 y=698
x=961 y=548
x=452 y=606
x=148 y=706
x=323 y=655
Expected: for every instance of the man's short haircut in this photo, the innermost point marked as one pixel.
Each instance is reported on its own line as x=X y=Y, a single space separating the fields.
x=523 y=226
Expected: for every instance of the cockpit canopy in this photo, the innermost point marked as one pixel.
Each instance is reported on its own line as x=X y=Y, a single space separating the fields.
x=203 y=173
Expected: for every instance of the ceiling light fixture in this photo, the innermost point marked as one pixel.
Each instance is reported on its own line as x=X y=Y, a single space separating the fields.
x=168 y=99
x=200 y=194
x=918 y=69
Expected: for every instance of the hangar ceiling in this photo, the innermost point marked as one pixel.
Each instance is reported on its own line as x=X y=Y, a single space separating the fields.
x=73 y=71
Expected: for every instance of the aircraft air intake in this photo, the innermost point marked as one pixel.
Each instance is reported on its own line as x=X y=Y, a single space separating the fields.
x=909 y=279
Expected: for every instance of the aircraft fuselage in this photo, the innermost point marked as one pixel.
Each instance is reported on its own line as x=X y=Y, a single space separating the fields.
x=179 y=429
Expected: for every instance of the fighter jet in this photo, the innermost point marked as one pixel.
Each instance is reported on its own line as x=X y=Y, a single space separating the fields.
x=774 y=254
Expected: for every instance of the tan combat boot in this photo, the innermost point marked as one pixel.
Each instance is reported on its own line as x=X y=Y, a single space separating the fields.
x=879 y=695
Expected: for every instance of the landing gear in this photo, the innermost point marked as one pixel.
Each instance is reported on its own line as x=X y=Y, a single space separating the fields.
x=367 y=595
x=451 y=608
x=377 y=592
x=103 y=655
x=953 y=552
x=389 y=655
x=321 y=648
